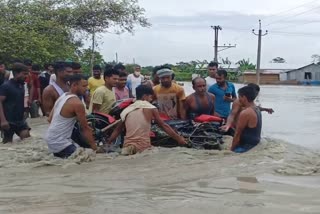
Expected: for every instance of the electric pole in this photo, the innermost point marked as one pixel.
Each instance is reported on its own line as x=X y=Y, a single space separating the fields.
x=216 y=39
x=260 y=35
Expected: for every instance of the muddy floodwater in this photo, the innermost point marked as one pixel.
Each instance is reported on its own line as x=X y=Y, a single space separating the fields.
x=281 y=175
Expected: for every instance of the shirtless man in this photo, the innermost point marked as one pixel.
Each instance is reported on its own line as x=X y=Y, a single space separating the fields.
x=237 y=108
x=136 y=119
x=52 y=92
x=200 y=102
x=248 y=130
x=67 y=110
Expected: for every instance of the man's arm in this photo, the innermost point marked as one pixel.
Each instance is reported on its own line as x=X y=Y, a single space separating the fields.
x=181 y=100
x=47 y=101
x=50 y=116
x=3 y=119
x=213 y=98
x=167 y=128
x=86 y=130
x=97 y=100
x=269 y=110
x=236 y=107
x=241 y=125
x=116 y=132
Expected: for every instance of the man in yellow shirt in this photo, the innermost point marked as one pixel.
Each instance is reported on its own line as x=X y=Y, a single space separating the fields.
x=103 y=97
x=95 y=81
x=170 y=96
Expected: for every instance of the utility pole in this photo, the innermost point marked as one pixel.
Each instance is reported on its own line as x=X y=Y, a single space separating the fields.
x=216 y=39
x=260 y=35
x=116 y=57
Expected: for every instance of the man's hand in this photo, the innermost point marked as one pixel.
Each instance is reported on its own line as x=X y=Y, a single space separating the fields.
x=269 y=110
x=182 y=141
x=29 y=102
x=5 y=125
x=225 y=128
x=228 y=99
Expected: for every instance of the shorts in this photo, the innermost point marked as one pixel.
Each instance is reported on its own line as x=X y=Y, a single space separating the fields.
x=15 y=128
x=34 y=110
x=244 y=148
x=67 y=152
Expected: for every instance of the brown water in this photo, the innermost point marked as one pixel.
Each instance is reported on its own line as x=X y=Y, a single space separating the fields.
x=280 y=175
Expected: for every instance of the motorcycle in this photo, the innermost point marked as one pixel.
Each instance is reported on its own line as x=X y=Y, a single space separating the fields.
x=201 y=133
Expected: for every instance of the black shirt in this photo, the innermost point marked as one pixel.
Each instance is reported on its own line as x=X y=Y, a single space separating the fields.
x=13 y=105
x=44 y=79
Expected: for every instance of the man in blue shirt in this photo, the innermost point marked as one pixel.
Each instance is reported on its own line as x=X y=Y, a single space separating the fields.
x=225 y=94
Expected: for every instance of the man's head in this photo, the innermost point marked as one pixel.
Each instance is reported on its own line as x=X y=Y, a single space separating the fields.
x=122 y=79
x=35 y=68
x=20 y=72
x=119 y=67
x=212 y=69
x=221 y=77
x=144 y=92
x=28 y=63
x=255 y=87
x=49 y=67
x=78 y=84
x=2 y=67
x=76 y=68
x=62 y=70
x=247 y=95
x=137 y=70
x=111 y=77
x=199 y=85
x=96 y=71
x=165 y=76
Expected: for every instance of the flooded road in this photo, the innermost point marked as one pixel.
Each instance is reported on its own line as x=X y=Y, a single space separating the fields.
x=281 y=175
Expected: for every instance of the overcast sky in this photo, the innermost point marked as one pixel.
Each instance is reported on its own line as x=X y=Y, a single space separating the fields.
x=181 y=31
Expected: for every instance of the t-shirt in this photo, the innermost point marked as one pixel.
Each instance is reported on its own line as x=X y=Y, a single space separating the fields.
x=133 y=82
x=121 y=94
x=104 y=97
x=27 y=82
x=210 y=81
x=94 y=84
x=13 y=105
x=53 y=78
x=222 y=107
x=169 y=99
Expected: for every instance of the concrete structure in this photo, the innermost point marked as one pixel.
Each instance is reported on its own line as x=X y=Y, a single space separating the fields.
x=309 y=74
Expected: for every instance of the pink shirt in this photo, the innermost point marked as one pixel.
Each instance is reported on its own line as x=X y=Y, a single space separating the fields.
x=121 y=94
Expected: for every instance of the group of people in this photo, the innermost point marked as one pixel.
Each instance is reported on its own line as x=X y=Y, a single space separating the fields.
x=66 y=96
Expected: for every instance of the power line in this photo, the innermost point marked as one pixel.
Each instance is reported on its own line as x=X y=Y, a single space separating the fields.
x=295 y=15
x=295 y=25
x=289 y=10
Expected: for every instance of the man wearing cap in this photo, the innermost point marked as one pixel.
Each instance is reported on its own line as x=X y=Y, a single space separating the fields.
x=169 y=96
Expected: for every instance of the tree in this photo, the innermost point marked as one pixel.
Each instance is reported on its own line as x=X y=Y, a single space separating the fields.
x=31 y=29
x=278 y=60
x=315 y=58
x=85 y=60
x=245 y=65
x=98 y=16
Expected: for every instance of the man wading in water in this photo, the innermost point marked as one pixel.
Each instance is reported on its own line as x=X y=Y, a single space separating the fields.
x=136 y=119
x=200 y=102
x=67 y=110
x=237 y=108
x=52 y=92
x=169 y=96
x=248 y=130
x=12 y=105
